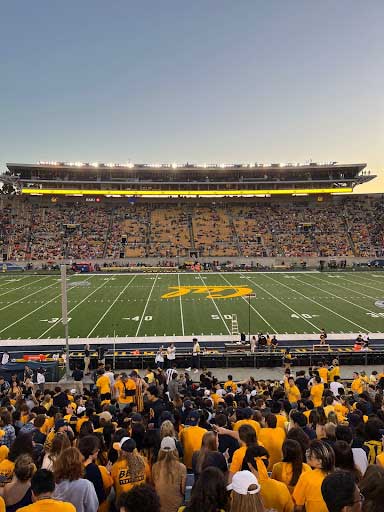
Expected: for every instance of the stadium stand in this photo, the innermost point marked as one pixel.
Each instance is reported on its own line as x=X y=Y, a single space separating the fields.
x=353 y=227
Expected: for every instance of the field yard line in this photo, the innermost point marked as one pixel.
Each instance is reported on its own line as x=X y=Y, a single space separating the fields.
x=110 y=307
x=367 y=277
x=77 y=305
x=181 y=307
x=24 y=286
x=28 y=314
x=26 y=297
x=283 y=303
x=7 y=281
x=146 y=305
x=334 y=295
x=217 y=309
x=319 y=304
x=253 y=308
x=361 y=284
x=332 y=283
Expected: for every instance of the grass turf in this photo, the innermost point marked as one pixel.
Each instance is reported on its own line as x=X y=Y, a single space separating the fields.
x=133 y=305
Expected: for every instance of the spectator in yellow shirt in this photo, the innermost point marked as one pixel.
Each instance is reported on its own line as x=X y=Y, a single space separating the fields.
x=307 y=492
x=244 y=417
x=291 y=390
x=357 y=385
x=275 y=495
x=126 y=389
x=103 y=385
x=230 y=386
x=323 y=372
x=272 y=438
x=292 y=466
x=43 y=486
x=191 y=437
x=340 y=492
x=317 y=391
x=131 y=469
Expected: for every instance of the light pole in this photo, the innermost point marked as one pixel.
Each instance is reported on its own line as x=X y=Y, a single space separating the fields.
x=249 y=315
x=249 y=318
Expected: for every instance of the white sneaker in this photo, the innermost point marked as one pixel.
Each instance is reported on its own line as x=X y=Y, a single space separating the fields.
x=188 y=369
x=196 y=371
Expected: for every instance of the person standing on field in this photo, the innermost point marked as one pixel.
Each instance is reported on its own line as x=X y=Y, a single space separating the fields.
x=87 y=359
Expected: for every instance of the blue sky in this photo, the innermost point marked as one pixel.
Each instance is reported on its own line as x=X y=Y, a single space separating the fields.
x=201 y=81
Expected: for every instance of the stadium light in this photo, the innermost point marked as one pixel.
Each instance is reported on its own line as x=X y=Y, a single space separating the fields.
x=174 y=165
x=189 y=193
x=95 y=164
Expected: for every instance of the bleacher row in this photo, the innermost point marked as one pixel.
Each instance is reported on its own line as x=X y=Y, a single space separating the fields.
x=351 y=227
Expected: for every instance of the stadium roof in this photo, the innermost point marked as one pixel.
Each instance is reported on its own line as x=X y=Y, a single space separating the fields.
x=174 y=165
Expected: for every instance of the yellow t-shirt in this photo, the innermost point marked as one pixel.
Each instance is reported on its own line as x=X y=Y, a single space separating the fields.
x=276 y=496
x=253 y=423
x=238 y=457
x=124 y=478
x=282 y=471
x=357 y=386
x=308 y=491
x=48 y=505
x=281 y=421
x=120 y=387
x=317 y=394
x=191 y=438
x=2 y=505
x=230 y=384
x=273 y=439
x=332 y=373
x=103 y=384
x=323 y=372
x=293 y=393
x=4 y=450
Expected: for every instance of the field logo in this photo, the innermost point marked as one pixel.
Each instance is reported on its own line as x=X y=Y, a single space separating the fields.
x=213 y=292
x=379 y=303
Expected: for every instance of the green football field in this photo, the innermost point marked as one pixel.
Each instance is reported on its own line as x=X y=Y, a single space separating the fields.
x=183 y=304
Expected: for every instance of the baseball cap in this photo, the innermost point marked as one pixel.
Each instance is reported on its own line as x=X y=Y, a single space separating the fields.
x=241 y=482
x=167 y=415
x=60 y=423
x=168 y=443
x=81 y=409
x=127 y=444
x=193 y=418
x=73 y=391
x=105 y=415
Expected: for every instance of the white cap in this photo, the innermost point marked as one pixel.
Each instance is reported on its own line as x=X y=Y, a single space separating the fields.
x=241 y=482
x=80 y=409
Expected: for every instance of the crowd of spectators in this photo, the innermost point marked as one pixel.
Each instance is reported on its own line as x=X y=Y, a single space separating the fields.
x=352 y=227
x=162 y=442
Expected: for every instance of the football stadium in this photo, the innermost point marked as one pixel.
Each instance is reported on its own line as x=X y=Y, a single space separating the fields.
x=160 y=252
x=192 y=256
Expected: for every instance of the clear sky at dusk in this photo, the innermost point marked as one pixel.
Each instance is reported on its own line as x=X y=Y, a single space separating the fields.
x=201 y=81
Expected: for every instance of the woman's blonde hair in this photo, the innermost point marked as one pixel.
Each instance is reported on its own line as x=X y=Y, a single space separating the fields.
x=246 y=502
x=167 y=460
x=167 y=429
